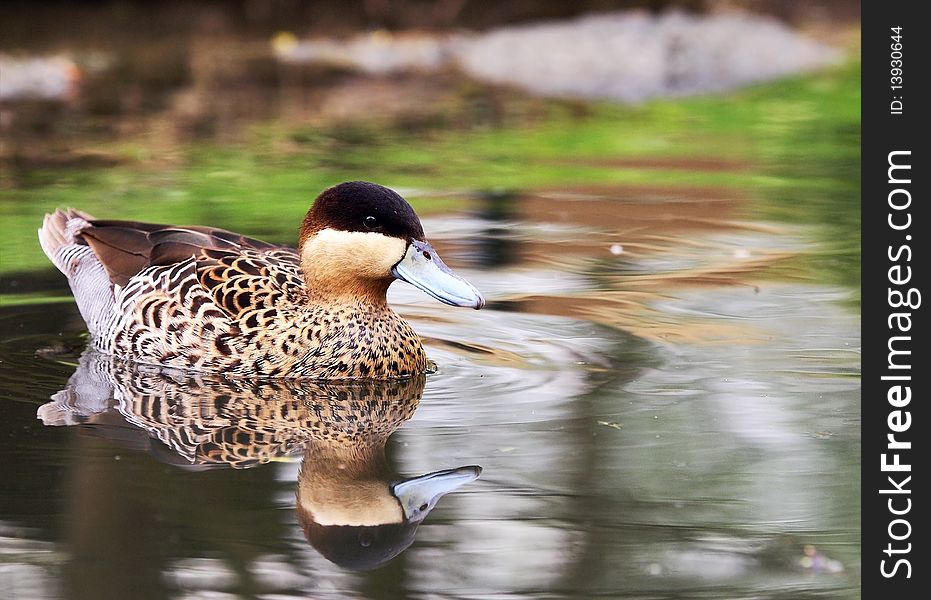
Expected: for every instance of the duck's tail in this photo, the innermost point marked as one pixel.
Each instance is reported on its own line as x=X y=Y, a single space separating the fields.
x=57 y=236
x=93 y=291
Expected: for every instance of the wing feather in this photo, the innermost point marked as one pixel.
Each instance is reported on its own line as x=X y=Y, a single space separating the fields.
x=125 y=248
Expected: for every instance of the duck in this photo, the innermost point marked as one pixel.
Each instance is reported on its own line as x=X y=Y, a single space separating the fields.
x=354 y=508
x=204 y=299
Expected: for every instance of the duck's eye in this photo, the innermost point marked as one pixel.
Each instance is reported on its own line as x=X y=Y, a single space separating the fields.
x=370 y=222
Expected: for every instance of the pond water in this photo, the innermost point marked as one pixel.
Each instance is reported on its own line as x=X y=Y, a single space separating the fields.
x=660 y=400
x=681 y=440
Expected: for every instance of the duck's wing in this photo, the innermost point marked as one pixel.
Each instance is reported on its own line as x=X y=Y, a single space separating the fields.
x=177 y=296
x=125 y=248
x=240 y=273
x=241 y=276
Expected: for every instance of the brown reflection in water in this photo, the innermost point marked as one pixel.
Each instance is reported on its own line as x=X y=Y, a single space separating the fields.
x=629 y=207
x=644 y=219
x=634 y=246
x=354 y=508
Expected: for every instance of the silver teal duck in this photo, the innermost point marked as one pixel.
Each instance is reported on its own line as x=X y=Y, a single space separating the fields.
x=206 y=299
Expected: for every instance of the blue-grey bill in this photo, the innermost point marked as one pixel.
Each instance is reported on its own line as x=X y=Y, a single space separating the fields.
x=422 y=268
x=419 y=495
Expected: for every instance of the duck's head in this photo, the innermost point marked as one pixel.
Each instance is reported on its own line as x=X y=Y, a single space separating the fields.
x=358 y=237
x=358 y=514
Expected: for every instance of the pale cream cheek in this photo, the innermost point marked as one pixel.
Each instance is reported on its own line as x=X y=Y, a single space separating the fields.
x=333 y=254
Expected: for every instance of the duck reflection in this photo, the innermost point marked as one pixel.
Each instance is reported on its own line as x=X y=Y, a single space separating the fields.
x=353 y=507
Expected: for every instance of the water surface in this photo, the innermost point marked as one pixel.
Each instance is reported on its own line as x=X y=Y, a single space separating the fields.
x=640 y=437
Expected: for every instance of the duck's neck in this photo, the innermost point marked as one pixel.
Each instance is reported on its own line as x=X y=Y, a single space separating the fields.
x=347 y=486
x=343 y=270
x=368 y=296
x=347 y=459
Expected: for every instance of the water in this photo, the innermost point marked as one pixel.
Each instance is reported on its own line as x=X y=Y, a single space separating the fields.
x=714 y=454
x=662 y=394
